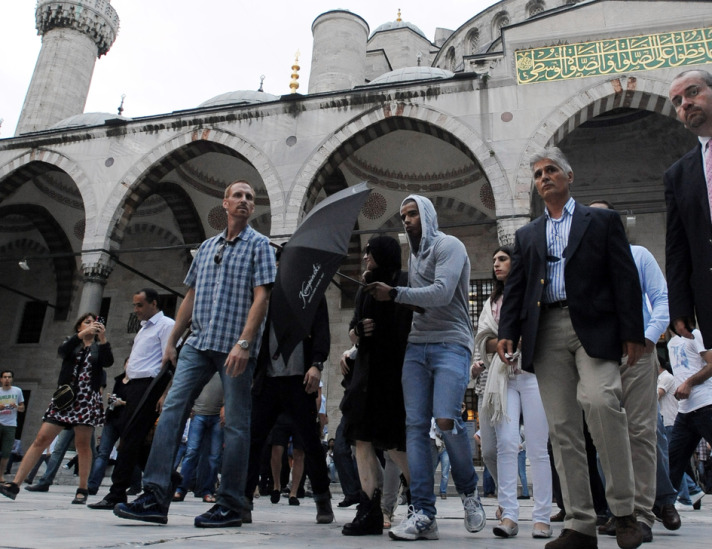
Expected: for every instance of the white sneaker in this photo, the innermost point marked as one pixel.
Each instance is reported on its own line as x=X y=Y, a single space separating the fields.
x=694 y=498
x=416 y=525
x=683 y=506
x=475 y=517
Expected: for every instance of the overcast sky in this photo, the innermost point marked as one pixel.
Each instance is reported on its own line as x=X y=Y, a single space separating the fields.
x=174 y=54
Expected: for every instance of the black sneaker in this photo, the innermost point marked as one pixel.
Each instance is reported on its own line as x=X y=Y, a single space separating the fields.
x=145 y=508
x=9 y=489
x=218 y=517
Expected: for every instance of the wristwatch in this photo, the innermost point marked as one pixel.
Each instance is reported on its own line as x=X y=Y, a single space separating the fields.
x=393 y=293
x=319 y=366
x=243 y=343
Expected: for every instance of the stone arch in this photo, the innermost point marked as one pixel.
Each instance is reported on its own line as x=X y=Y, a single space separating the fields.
x=184 y=211
x=376 y=122
x=472 y=41
x=501 y=19
x=623 y=91
x=58 y=245
x=31 y=164
x=535 y=7
x=450 y=59
x=142 y=179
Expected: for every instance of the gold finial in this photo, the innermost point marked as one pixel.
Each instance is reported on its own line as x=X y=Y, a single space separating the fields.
x=293 y=84
x=399 y=16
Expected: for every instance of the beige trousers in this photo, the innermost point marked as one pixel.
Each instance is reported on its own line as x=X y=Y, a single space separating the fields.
x=570 y=381
x=640 y=401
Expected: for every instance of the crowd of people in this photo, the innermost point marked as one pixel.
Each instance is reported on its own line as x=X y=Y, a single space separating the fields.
x=564 y=355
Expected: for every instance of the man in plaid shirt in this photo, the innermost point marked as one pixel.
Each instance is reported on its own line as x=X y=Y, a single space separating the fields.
x=229 y=284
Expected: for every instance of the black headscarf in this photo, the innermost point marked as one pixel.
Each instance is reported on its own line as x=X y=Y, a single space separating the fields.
x=386 y=252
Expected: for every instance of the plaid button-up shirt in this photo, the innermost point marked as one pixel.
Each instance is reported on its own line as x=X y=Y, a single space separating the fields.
x=224 y=290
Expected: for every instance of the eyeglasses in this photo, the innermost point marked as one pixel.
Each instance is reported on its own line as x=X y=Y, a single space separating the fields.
x=689 y=93
x=221 y=250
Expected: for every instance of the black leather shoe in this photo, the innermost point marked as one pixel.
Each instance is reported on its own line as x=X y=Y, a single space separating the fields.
x=668 y=515
x=609 y=528
x=37 y=488
x=558 y=517
x=105 y=504
x=348 y=501
x=571 y=539
x=628 y=533
x=646 y=531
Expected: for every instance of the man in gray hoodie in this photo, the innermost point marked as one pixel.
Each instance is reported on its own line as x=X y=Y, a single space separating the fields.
x=436 y=368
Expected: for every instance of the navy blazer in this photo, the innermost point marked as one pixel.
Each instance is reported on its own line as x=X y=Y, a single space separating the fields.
x=688 y=243
x=602 y=286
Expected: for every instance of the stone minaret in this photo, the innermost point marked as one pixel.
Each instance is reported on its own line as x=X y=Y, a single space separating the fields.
x=339 y=52
x=74 y=33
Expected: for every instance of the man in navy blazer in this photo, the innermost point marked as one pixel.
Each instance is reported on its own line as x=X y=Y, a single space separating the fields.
x=573 y=298
x=688 y=247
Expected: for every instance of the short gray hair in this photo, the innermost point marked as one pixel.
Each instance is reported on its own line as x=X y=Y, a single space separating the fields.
x=555 y=155
x=705 y=75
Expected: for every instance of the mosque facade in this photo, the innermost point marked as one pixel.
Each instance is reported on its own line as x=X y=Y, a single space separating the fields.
x=94 y=206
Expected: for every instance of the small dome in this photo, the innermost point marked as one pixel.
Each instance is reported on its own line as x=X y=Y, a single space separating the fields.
x=399 y=25
x=239 y=97
x=409 y=74
x=87 y=119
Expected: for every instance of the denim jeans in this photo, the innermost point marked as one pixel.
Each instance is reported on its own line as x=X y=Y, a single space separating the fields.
x=522 y=468
x=64 y=439
x=665 y=493
x=444 y=460
x=193 y=371
x=202 y=428
x=345 y=463
x=435 y=377
x=687 y=431
x=109 y=436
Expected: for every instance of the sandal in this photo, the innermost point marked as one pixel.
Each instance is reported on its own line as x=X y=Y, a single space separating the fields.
x=80 y=498
x=209 y=498
x=178 y=496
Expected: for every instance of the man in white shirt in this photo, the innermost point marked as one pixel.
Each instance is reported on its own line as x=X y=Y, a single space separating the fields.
x=692 y=366
x=144 y=364
x=11 y=402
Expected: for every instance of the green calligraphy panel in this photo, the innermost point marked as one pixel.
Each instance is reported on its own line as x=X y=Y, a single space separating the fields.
x=638 y=53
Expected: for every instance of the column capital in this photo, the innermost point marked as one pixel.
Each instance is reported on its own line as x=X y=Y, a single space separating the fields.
x=96 y=267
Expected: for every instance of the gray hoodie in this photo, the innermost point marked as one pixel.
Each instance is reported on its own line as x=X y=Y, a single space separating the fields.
x=439 y=279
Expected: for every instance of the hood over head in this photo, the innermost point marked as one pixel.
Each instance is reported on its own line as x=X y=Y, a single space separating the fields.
x=428 y=222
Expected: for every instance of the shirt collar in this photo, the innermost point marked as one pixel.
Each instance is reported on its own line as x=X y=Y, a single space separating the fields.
x=153 y=320
x=242 y=236
x=568 y=208
x=704 y=141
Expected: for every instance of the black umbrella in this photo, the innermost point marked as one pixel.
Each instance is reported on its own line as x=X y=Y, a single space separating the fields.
x=309 y=261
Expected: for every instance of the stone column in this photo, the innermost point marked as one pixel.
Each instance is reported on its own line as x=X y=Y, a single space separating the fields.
x=74 y=33
x=96 y=267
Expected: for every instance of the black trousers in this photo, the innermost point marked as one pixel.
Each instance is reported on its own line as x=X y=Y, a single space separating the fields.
x=133 y=449
x=286 y=394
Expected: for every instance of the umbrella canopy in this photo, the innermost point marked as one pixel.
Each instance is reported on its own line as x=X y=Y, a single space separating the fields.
x=308 y=263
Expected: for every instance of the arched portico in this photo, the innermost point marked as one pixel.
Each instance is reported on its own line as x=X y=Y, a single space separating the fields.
x=144 y=177
x=58 y=246
x=375 y=123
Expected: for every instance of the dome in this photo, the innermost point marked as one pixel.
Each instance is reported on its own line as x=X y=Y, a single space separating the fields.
x=409 y=74
x=400 y=25
x=239 y=97
x=87 y=119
